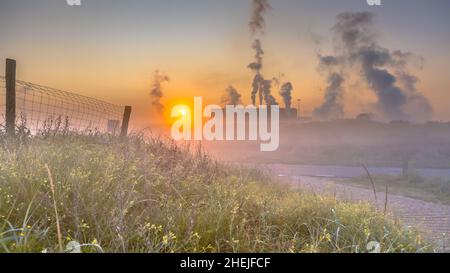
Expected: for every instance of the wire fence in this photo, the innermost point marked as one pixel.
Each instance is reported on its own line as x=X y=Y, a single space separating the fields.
x=40 y=107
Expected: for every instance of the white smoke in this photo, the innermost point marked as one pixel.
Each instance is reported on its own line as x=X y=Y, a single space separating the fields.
x=260 y=86
x=332 y=106
x=156 y=90
x=232 y=96
x=286 y=94
x=257 y=21
x=357 y=47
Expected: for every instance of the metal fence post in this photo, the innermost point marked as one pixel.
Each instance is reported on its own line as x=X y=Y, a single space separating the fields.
x=126 y=121
x=10 y=115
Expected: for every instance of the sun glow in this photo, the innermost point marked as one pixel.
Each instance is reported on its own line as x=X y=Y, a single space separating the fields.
x=215 y=123
x=183 y=112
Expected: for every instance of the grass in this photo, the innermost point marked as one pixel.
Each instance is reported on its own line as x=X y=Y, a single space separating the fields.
x=432 y=189
x=103 y=194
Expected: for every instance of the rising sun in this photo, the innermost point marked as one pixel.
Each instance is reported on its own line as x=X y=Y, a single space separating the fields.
x=183 y=112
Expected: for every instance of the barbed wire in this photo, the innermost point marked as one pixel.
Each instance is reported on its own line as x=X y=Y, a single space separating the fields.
x=41 y=107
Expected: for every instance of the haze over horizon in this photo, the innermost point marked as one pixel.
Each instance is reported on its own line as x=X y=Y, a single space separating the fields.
x=110 y=49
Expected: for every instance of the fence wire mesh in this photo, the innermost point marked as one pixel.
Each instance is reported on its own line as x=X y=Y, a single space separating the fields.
x=41 y=107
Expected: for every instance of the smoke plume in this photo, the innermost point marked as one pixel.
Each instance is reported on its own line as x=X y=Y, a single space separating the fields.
x=257 y=21
x=419 y=107
x=256 y=67
x=256 y=88
x=156 y=91
x=358 y=45
x=277 y=80
x=286 y=94
x=260 y=86
x=332 y=106
x=232 y=96
x=266 y=87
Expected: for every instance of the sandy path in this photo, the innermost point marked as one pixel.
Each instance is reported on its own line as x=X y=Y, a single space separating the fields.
x=432 y=219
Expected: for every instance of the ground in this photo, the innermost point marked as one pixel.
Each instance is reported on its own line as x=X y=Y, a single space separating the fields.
x=431 y=218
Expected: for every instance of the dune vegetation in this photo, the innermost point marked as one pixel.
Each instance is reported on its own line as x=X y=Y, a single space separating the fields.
x=95 y=193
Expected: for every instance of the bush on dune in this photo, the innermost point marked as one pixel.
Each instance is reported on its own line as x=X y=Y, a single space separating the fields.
x=154 y=196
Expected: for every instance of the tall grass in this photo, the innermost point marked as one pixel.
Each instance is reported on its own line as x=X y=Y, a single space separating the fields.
x=150 y=195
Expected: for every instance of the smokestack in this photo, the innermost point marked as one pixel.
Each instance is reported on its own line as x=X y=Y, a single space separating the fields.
x=156 y=91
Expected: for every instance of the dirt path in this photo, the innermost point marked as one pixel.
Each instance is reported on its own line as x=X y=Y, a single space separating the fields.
x=432 y=219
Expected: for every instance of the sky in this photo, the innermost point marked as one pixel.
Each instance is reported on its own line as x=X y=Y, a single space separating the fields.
x=108 y=49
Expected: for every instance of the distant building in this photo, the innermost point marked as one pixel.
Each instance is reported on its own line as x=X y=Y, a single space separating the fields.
x=366 y=117
x=290 y=114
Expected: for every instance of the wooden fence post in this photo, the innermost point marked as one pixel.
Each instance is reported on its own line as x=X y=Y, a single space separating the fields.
x=126 y=121
x=10 y=115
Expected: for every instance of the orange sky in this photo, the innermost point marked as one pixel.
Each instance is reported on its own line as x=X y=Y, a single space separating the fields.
x=111 y=54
